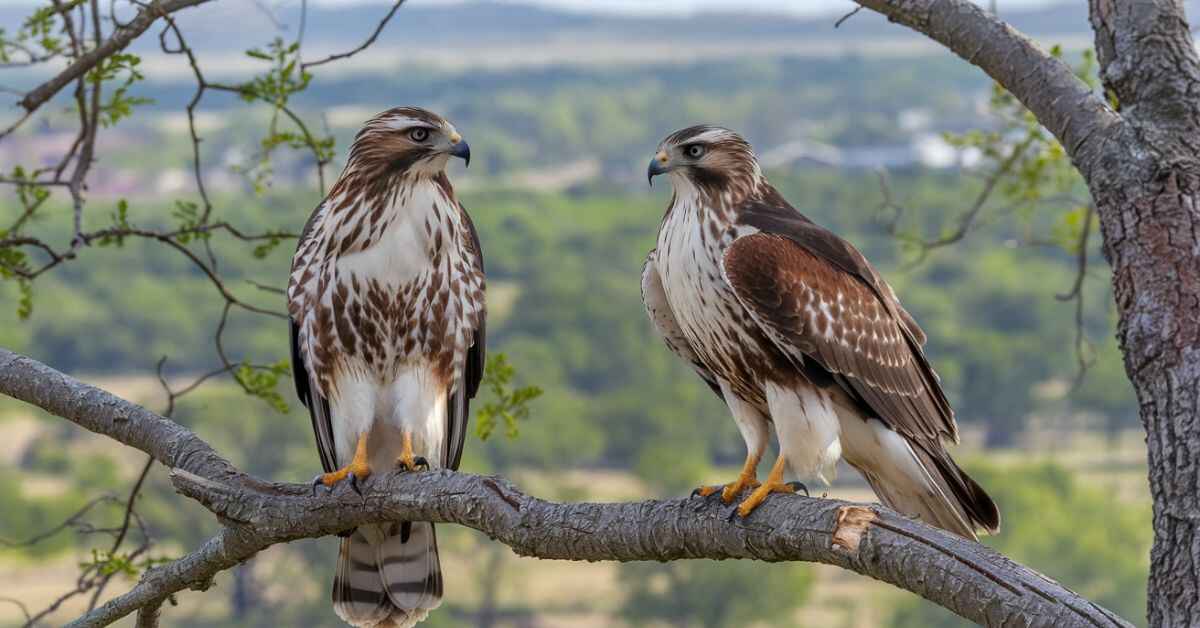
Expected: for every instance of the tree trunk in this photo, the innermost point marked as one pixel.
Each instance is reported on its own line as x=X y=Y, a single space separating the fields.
x=1147 y=191
x=1152 y=241
x=1142 y=165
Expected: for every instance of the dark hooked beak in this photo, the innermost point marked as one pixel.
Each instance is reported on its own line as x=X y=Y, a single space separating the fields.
x=657 y=166
x=461 y=149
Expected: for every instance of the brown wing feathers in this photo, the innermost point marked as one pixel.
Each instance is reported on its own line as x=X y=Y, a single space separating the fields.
x=814 y=309
x=837 y=319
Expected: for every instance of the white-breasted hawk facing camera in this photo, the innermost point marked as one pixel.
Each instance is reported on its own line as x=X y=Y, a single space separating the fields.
x=386 y=308
x=792 y=327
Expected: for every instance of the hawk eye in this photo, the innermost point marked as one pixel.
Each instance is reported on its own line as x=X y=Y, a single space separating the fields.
x=419 y=134
x=695 y=151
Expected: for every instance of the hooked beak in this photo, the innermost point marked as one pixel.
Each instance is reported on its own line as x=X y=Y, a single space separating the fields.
x=459 y=148
x=658 y=165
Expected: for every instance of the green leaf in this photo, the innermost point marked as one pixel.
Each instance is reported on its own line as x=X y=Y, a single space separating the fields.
x=505 y=404
x=263 y=382
x=25 y=300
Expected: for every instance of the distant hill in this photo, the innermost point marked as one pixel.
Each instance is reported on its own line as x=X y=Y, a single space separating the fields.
x=504 y=36
x=218 y=25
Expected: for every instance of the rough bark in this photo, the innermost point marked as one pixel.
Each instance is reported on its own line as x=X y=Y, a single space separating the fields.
x=1142 y=166
x=963 y=576
x=1151 y=226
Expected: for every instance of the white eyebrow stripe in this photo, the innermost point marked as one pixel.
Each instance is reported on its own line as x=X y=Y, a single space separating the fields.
x=709 y=136
x=403 y=122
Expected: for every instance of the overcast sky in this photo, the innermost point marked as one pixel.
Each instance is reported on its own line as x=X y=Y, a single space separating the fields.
x=808 y=7
x=799 y=7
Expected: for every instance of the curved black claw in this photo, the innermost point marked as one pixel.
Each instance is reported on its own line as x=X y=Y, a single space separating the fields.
x=419 y=463
x=354 y=483
x=317 y=481
x=799 y=486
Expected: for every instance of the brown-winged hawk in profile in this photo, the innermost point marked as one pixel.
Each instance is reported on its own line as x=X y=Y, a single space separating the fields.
x=386 y=309
x=792 y=327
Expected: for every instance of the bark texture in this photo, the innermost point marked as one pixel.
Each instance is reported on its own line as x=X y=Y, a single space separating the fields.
x=1142 y=166
x=965 y=577
x=1151 y=224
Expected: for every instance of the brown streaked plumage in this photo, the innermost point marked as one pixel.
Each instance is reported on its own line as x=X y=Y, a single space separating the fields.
x=386 y=308
x=794 y=329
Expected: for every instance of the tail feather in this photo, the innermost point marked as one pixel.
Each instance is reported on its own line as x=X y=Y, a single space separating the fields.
x=936 y=491
x=970 y=495
x=384 y=580
x=358 y=595
x=411 y=568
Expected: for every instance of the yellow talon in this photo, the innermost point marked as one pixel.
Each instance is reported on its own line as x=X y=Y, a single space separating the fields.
x=746 y=479
x=774 y=484
x=407 y=460
x=358 y=467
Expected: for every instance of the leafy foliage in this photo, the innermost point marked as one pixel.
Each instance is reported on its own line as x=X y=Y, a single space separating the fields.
x=276 y=87
x=507 y=404
x=119 y=104
x=108 y=563
x=263 y=382
x=37 y=37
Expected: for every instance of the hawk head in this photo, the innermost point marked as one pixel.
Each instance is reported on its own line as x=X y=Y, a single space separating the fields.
x=406 y=141
x=710 y=159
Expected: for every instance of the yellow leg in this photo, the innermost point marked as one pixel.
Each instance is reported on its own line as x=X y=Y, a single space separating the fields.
x=358 y=467
x=748 y=478
x=407 y=460
x=774 y=484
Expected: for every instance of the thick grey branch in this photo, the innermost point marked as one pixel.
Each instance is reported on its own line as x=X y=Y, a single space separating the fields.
x=1046 y=86
x=965 y=577
x=120 y=38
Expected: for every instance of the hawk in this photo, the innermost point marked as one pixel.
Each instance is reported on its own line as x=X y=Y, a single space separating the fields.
x=792 y=327
x=386 y=309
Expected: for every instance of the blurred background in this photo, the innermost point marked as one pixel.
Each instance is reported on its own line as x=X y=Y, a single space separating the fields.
x=871 y=131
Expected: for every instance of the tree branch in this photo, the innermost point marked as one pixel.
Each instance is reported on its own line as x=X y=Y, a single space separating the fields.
x=1146 y=60
x=965 y=577
x=120 y=38
x=363 y=46
x=1046 y=86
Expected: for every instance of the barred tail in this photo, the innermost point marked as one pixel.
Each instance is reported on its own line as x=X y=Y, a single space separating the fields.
x=388 y=576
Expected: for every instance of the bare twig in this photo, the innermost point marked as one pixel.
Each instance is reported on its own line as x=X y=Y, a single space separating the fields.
x=75 y=521
x=363 y=46
x=1084 y=356
x=842 y=20
x=967 y=220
